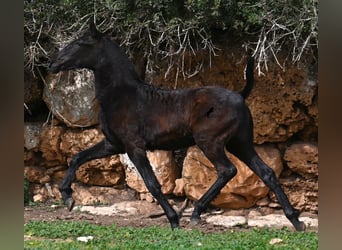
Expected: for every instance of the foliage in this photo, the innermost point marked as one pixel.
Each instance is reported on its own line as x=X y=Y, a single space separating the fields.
x=63 y=235
x=27 y=194
x=171 y=30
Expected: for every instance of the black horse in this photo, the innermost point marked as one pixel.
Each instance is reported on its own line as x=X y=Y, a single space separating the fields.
x=136 y=116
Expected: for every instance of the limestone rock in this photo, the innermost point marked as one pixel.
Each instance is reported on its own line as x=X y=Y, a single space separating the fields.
x=90 y=195
x=179 y=188
x=279 y=105
x=32 y=142
x=163 y=166
x=241 y=192
x=76 y=140
x=39 y=192
x=103 y=172
x=123 y=208
x=227 y=221
x=32 y=136
x=50 y=145
x=302 y=158
x=70 y=95
x=303 y=194
x=279 y=221
x=34 y=174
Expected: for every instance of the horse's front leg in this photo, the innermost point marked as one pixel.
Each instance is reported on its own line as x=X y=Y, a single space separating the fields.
x=139 y=158
x=99 y=150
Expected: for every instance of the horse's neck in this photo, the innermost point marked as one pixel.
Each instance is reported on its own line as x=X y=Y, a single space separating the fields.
x=115 y=74
x=111 y=83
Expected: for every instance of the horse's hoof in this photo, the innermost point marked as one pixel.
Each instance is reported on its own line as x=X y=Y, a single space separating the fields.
x=174 y=226
x=194 y=221
x=69 y=203
x=301 y=226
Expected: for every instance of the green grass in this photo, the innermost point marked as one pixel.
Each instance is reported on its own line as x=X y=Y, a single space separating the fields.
x=63 y=235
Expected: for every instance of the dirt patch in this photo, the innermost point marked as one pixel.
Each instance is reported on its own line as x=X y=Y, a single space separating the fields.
x=145 y=214
x=51 y=212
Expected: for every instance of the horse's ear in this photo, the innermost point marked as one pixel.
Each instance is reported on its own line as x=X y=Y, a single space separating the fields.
x=93 y=31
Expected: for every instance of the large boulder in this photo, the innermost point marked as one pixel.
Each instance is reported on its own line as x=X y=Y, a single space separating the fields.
x=242 y=191
x=70 y=95
x=101 y=172
x=302 y=158
x=163 y=165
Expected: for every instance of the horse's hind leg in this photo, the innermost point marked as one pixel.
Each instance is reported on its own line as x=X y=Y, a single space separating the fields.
x=225 y=171
x=249 y=156
x=99 y=150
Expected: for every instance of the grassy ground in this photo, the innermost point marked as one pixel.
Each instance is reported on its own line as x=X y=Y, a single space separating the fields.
x=64 y=234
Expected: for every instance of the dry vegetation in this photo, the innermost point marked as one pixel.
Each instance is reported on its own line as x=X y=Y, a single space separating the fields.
x=167 y=31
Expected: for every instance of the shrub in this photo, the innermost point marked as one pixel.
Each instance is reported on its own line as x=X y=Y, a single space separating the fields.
x=168 y=30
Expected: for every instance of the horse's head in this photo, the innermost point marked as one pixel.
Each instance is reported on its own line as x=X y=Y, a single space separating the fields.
x=80 y=53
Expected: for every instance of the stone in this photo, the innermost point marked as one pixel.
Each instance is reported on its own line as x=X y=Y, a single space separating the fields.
x=38 y=198
x=122 y=208
x=279 y=105
x=107 y=171
x=34 y=174
x=75 y=140
x=303 y=194
x=39 y=192
x=95 y=195
x=254 y=213
x=163 y=165
x=70 y=96
x=111 y=210
x=263 y=202
x=85 y=238
x=276 y=241
x=242 y=191
x=274 y=205
x=271 y=220
x=32 y=136
x=56 y=192
x=50 y=145
x=102 y=172
x=302 y=158
x=179 y=187
x=226 y=221
x=58 y=176
x=279 y=221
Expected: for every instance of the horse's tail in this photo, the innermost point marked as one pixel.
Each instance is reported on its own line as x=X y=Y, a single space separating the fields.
x=249 y=78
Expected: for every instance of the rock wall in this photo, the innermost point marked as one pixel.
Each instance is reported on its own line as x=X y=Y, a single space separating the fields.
x=283 y=106
x=48 y=150
x=283 y=103
x=242 y=191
